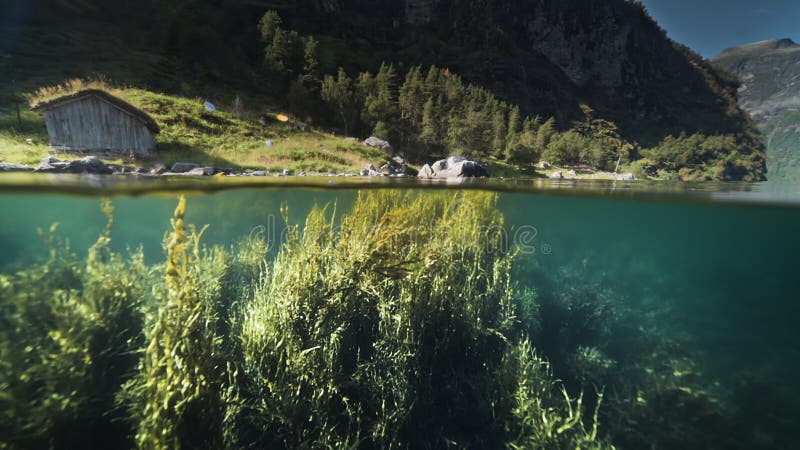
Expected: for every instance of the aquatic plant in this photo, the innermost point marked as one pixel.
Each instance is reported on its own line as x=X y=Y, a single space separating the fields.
x=67 y=337
x=176 y=392
x=399 y=330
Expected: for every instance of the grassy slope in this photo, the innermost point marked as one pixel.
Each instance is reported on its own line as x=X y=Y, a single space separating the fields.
x=231 y=137
x=189 y=132
x=36 y=58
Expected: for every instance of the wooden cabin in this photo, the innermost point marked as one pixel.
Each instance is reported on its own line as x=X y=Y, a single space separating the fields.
x=93 y=120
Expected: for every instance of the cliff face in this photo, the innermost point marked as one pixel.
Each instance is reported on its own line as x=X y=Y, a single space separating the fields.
x=552 y=57
x=769 y=73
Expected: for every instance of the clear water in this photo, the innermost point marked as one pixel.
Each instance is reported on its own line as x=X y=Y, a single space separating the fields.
x=681 y=301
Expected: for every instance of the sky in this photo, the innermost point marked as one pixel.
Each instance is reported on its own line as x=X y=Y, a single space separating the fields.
x=710 y=26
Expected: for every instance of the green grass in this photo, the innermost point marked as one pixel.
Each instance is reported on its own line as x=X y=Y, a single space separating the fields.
x=47 y=62
x=231 y=137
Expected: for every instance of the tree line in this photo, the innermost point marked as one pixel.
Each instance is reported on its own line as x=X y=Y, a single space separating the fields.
x=429 y=112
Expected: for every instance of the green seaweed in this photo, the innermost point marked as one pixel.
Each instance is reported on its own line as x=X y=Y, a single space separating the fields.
x=176 y=391
x=395 y=324
x=403 y=321
x=67 y=341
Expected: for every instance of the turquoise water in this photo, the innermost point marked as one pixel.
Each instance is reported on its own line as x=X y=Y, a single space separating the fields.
x=681 y=305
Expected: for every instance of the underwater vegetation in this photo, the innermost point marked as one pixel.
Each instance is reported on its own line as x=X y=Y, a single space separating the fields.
x=401 y=323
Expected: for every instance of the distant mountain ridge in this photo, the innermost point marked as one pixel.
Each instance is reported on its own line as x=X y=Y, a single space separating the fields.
x=769 y=73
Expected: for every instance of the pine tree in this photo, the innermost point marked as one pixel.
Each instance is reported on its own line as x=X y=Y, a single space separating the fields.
x=431 y=85
x=544 y=134
x=311 y=70
x=499 y=127
x=429 y=134
x=412 y=96
x=514 y=128
x=269 y=24
x=337 y=93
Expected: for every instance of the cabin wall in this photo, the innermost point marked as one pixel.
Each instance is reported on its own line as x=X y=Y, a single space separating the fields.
x=91 y=124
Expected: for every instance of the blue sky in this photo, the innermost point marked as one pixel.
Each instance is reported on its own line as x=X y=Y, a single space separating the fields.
x=710 y=26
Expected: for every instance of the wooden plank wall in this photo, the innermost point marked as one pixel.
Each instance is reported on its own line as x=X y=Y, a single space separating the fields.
x=91 y=124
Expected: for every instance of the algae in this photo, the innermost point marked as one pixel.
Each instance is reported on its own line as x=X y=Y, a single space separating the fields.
x=396 y=324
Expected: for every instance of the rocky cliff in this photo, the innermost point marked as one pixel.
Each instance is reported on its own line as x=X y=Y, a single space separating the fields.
x=551 y=57
x=769 y=73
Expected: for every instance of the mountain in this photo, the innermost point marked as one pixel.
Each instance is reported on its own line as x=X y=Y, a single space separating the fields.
x=604 y=71
x=769 y=73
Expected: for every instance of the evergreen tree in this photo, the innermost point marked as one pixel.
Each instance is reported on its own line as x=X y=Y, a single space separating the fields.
x=499 y=127
x=379 y=99
x=412 y=96
x=543 y=135
x=514 y=128
x=432 y=86
x=311 y=70
x=429 y=134
x=269 y=24
x=337 y=93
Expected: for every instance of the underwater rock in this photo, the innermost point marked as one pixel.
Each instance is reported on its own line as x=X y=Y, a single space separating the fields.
x=453 y=167
x=182 y=167
x=556 y=176
x=15 y=168
x=380 y=144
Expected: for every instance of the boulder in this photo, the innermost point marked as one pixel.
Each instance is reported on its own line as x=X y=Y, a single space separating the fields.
x=158 y=169
x=364 y=172
x=183 y=167
x=544 y=165
x=89 y=164
x=425 y=172
x=51 y=164
x=380 y=144
x=15 y=168
x=556 y=176
x=453 y=167
x=395 y=165
x=202 y=171
x=259 y=173
x=286 y=172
